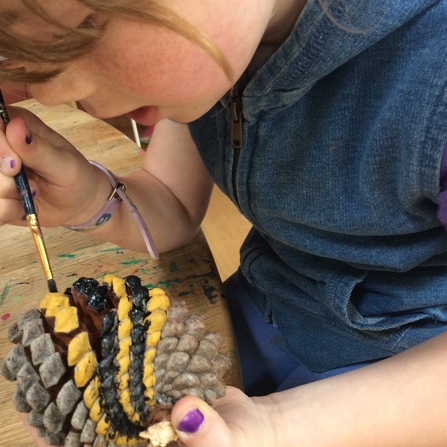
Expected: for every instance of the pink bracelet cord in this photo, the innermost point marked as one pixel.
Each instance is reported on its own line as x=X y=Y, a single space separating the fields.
x=111 y=205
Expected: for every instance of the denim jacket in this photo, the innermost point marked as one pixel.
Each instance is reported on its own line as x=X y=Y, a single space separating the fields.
x=344 y=129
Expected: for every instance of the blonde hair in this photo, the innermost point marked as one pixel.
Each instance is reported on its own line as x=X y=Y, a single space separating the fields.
x=16 y=49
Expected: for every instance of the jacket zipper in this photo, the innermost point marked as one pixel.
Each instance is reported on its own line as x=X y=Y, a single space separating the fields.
x=236 y=134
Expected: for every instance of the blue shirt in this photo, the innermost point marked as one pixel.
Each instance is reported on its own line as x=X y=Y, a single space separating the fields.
x=344 y=131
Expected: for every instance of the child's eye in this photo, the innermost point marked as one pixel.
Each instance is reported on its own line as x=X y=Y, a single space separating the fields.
x=90 y=22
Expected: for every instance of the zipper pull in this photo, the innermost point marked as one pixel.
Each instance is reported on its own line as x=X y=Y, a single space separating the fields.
x=237 y=120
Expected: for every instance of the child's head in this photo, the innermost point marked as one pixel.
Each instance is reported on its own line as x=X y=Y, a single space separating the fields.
x=118 y=56
x=20 y=45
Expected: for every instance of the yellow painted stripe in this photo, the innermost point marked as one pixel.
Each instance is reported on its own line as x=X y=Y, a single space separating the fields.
x=85 y=369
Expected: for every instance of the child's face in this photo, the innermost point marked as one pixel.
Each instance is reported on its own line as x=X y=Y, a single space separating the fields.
x=145 y=71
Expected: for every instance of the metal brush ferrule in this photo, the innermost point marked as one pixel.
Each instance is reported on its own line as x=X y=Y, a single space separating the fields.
x=40 y=245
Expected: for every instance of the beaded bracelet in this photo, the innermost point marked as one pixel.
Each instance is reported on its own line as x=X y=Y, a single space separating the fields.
x=117 y=196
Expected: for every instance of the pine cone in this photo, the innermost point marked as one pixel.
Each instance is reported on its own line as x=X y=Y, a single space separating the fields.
x=100 y=364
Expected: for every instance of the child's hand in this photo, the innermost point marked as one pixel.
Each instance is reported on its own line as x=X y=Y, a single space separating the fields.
x=67 y=189
x=235 y=420
x=40 y=442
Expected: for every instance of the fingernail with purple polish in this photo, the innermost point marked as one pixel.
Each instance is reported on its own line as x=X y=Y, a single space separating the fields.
x=191 y=422
x=7 y=164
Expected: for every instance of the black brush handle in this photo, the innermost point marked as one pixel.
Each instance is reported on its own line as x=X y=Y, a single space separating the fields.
x=25 y=192
x=3 y=112
x=28 y=204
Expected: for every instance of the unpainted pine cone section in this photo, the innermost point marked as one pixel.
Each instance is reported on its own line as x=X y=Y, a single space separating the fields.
x=98 y=365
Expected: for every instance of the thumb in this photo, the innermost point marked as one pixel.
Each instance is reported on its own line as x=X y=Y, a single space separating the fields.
x=33 y=142
x=199 y=425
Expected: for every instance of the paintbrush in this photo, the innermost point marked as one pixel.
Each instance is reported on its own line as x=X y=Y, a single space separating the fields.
x=30 y=211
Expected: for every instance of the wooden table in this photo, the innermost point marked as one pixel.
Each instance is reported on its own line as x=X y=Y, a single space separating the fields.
x=188 y=272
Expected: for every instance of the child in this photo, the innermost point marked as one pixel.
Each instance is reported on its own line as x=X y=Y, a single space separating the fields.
x=326 y=124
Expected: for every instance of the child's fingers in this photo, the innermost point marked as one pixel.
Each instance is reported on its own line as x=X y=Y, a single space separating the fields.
x=12 y=212
x=10 y=162
x=198 y=425
x=39 y=148
x=33 y=432
x=28 y=148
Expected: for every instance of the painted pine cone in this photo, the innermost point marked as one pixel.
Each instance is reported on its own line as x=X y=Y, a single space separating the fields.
x=100 y=364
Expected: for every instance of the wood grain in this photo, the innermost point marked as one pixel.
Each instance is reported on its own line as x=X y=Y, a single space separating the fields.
x=188 y=272
x=225 y=229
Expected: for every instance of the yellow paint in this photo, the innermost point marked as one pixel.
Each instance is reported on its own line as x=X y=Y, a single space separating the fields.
x=153 y=338
x=117 y=284
x=124 y=440
x=158 y=300
x=95 y=412
x=148 y=369
x=66 y=320
x=123 y=383
x=91 y=393
x=78 y=347
x=150 y=394
x=127 y=403
x=123 y=367
x=124 y=328
x=157 y=318
x=102 y=426
x=135 y=418
x=149 y=355
x=149 y=382
x=85 y=369
x=148 y=375
x=124 y=308
x=156 y=291
x=53 y=308
x=124 y=348
x=54 y=300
